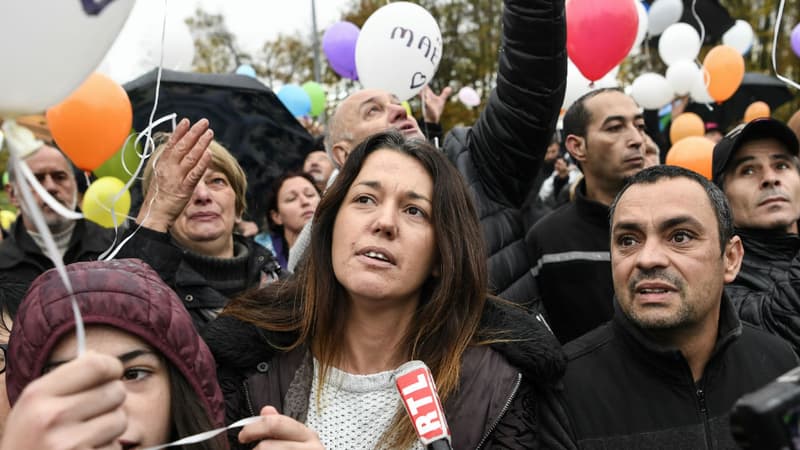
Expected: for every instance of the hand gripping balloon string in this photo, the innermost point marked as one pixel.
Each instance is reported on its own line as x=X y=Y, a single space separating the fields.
x=51 y=250
x=778 y=20
x=206 y=435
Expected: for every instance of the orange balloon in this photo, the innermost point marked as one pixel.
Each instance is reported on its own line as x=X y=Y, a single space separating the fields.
x=725 y=67
x=756 y=110
x=693 y=153
x=93 y=122
x=685 y=125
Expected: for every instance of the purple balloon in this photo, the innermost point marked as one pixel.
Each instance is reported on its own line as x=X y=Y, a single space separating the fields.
x=796 y=40
x=339 y=45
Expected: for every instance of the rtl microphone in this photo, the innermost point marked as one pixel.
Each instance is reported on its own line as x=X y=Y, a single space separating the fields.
x=418 y=392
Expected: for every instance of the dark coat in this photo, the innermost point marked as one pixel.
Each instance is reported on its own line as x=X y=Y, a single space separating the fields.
x=624 y=391
x=500 y=155
x=493 y=407
x=766 y=292
x=21 y=260
x=203 y=294
x=570 y=249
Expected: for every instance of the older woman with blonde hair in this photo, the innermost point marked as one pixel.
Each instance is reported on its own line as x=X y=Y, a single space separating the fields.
x=187 y=223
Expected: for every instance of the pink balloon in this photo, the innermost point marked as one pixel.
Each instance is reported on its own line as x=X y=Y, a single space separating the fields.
x=600 y=34
x=469 y=97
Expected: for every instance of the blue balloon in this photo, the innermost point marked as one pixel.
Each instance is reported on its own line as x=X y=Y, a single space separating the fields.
x=295 y=99
x=247 y=70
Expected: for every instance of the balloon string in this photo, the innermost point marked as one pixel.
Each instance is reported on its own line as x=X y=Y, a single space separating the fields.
x=206 y=435
x=35 y=214
x=778 y=21
x=700 y=24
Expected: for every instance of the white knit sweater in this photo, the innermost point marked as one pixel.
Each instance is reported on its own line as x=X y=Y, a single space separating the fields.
x=354 y=410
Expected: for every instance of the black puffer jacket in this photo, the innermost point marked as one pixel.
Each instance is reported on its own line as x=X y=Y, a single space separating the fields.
x=203 y=284
x=500 y=155
x=766 y=293
x=493 y=408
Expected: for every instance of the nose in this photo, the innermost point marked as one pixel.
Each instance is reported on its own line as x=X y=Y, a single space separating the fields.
x=396 y=112
x=770 y=178
x=636 y=138
x=49 y=184
x=651 y=255
x=201 y=193
x=385 y=222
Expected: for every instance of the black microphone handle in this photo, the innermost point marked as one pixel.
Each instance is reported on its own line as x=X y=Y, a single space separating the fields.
x=440 y=444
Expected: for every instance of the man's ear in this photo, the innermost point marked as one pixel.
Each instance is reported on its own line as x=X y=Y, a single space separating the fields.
x=732 y=258
x=341 y=150
x=12 y=195
x=576 y=146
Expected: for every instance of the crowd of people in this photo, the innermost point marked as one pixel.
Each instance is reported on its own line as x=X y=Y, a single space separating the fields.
x=566 y=288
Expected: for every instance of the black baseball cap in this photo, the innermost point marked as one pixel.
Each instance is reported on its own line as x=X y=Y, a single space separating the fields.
x=756 y=129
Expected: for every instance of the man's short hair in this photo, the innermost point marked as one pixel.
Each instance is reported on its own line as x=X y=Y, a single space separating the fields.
x=719 y=203
x=71 y=170
x=577 y=117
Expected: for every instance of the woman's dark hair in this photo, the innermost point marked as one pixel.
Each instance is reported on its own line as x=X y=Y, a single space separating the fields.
x=311 y=304
x=189 y=414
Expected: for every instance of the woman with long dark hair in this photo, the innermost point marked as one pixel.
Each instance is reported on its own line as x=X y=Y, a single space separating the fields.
x=396 y=272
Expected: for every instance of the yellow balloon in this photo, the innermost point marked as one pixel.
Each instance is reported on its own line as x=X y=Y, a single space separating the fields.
x=6 y=219
x=407 y=106
x=98 y=198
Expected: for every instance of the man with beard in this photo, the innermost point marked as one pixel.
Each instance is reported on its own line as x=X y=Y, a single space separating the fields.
x=568 y=249
x=665 y=372
x=757 y=167
x=22 y=255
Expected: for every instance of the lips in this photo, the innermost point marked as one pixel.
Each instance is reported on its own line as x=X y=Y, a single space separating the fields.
x=203 y=216
x=127 y=445
x=378 y=254
x=773 y=199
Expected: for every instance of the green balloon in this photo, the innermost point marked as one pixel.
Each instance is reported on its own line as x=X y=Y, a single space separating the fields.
x=317 y=95
x=5 y=178
x=113 y=166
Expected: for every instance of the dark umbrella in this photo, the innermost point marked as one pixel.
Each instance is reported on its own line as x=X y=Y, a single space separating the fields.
x=755 y=87
x=246 y=116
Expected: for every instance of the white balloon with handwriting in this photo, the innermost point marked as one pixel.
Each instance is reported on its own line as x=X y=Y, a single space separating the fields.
x=398 y=49
x=50 y=47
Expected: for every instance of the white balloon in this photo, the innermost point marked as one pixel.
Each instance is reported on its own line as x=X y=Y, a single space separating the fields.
x=398 y=49
x=578 y=85
x=679 y=42
x=699 y=90
x=663 y=13
x=740 y=36
x=469 y=97
x=642 y=31
x=681 y=76
x=651 y=90
x=138 y=48
x=50 y=47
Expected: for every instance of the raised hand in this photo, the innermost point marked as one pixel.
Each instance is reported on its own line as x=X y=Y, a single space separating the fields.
x=276 y=431
x=176 y=173
x=76 y=406
x=433 y=105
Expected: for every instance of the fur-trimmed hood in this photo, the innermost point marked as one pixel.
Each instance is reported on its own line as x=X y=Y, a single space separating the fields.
x=526 y=343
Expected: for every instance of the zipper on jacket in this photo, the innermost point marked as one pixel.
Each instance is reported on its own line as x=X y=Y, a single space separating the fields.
x=247 y=400
x=701 y=401
x=502 y=411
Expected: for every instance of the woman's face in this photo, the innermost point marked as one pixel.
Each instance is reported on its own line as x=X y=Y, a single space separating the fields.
x=384 y=245
x=297 y=201
x=146 y=379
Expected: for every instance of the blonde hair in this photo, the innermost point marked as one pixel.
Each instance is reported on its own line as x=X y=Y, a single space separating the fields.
x=221 y=160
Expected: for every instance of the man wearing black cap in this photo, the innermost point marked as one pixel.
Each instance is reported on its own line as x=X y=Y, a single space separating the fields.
x=756 y=165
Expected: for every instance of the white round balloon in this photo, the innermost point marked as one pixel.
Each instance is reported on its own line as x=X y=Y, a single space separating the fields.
x=469 y=97
x=642 y=31
x=398 y=49
x=681 y=76
x=679 y=42
x=651 y=90
x=740 y=36
x=699 y=90
x=663 y=13
x=50 y=47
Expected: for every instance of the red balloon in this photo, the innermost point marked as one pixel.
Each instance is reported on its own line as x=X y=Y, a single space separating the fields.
x=600 y=34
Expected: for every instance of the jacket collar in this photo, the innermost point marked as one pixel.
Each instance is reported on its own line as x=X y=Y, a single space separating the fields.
x=769 y=244
x=591 y=210
x=667 y=359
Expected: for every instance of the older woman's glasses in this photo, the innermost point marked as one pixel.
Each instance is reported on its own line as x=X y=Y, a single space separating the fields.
x=4 y=348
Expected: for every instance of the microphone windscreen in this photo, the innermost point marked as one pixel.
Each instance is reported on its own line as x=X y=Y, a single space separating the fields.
x=417 y=390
